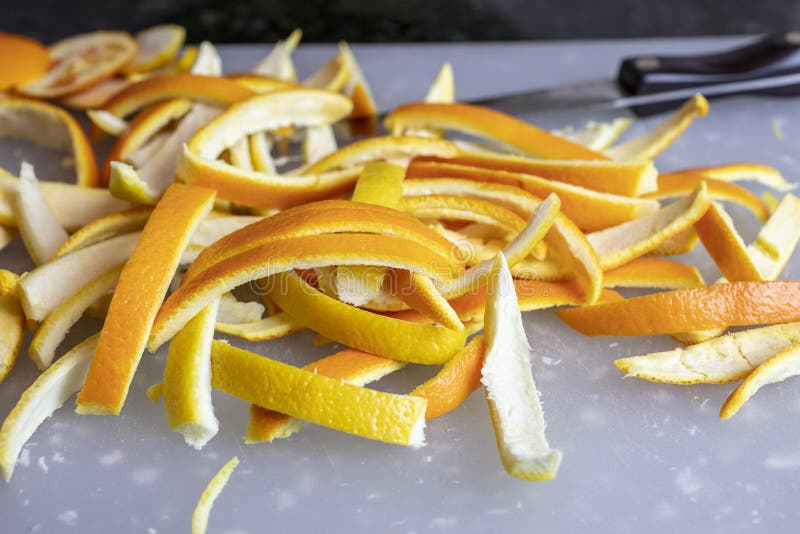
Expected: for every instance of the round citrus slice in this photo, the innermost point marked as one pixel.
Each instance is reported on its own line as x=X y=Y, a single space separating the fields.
x=455 y=382
x=21 y=60
x=142 y=286
x=155 y=47
x=626 y=178
x=351 y=366
x=717 y=361
x=39 y=228
x=212 y=90
x=682 y=310
x=652 y=143
x=51 y=127
x=203 y=509
x=777 y=368
x=187 y=380
x=316 y=398
x=654 y=272
x=487 y=123
x=80 y=62
x=12 y=323
x=514 y=404
x=49 y=392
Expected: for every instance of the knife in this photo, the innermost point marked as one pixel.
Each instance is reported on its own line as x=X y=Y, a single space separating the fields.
x=651 y=84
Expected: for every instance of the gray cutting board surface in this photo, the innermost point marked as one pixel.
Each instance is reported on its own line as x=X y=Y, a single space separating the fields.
x=637 y=456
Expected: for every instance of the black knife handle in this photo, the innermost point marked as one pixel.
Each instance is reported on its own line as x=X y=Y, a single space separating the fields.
x=769 y=56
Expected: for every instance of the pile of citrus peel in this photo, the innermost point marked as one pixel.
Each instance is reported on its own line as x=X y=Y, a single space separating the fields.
x=401 y=247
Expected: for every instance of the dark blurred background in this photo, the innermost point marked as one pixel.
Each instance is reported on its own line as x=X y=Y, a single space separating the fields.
x=404 y=20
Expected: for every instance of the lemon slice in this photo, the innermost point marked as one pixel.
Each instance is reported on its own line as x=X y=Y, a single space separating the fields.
x=777 y=368
x=47 y=393
x=155 y=47
x=39 y=228
x=371 y=414
x=187 y=380
x=12 y=323
x=717 y=361
x=210 y=494
x=511 y=393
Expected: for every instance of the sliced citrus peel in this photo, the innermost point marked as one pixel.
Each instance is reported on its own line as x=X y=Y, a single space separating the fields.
x=105 y=227
x=272 y=327
x=52 y=127
x=80 y=62
x=39 y=228
x=278 y=63
x=654 y=272
x=620 y=244
x=12 y=323
x=717 y=361
x=351 y=366
x=316 y=398
x=590 y=210
x=735 y=172
x=47 y=393
x=487 y=123
x=597 y=136
x=22 y=60
x=360 y=329
x=626 y=178
x=511 y=393
x=156 y=47
x=187 y=380
x=206 y=502
x=95 y=96
x=778 y=367
x=152 y=264
x=725 y=246
x=733 y=304
x=652 y=143
x=357 y=87
x=777 y=239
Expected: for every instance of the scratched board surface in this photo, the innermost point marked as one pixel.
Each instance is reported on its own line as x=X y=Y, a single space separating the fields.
x=637 y=456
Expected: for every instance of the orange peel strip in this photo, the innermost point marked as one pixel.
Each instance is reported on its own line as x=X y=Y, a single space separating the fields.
x=215 y=486
x=453 y=208
x=735 y=172
x=654 y=142
x=654 y=272
x=682 y=310
x=278 y=63
x=50 y=126
x=620 y=244
x=212 y=90
x=490 y=124
x=352 y=366
x=142 y=286
x=357 y=87
x=725 y=246
x=272 y=327
x=590 y=210
x=684 y=182
x=12 y=323
x=316 y=398
x=363 y=330
x=106 y=227
x=296 y=253
x=628 y=178
x=96 y=96
x=420 y=294
x=777 y=239
x=455 y=382
x=678 y=244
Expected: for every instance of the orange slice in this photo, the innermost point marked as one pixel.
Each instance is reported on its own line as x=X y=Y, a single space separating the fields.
x=725 y=246
x=652 y=143
x=12 y=323
x=683 y=183
x=383 y=148
x=778 y=367
x=590 y=210
x=455 y=382
x=620 y=244
x=351 y=366
x=156 y=47
x=487 y=123
x=133 y=308
x=733 y=304
x=21 y=60
x=626 y=178
x=212 y=90
x=313 y=397
x=283 y=255
x=514 y=404
x=654 y=272
x=80 y=62
x=717 y=361
x=52 y=127
x=363 y=330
